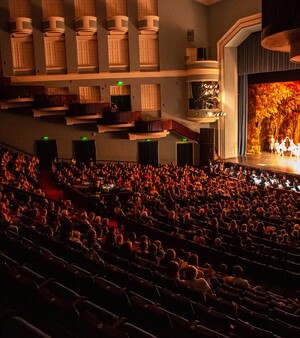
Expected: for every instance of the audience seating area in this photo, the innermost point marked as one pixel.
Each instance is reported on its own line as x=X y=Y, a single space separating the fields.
x=60 y=286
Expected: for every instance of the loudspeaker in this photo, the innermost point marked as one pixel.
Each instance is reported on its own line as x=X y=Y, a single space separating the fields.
x=207 y=146
x=207 y=135
x=201 y=54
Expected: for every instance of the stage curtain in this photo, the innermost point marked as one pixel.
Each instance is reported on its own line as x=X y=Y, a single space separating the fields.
x=242 y=114
x=148 y=153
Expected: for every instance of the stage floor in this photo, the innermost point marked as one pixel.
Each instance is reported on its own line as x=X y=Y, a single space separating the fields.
x=270 y=162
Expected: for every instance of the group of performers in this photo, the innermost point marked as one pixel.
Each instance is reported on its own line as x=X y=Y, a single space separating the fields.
x=286 y=146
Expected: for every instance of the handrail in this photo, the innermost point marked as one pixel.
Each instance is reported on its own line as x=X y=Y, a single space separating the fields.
x=185 y=131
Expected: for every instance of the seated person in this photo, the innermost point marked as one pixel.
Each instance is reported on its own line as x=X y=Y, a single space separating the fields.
x=172 y=270
x=236 y=278
x=190 y=279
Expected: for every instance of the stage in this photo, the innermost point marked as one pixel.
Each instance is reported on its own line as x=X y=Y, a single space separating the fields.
x=270 y=162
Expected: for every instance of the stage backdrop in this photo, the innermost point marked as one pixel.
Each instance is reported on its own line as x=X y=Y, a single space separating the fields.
x=273 y=111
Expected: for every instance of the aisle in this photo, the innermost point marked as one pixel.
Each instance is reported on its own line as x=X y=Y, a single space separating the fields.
x=49 y=186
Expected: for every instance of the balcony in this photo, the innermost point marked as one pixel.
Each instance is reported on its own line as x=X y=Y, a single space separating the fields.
x=52 y=105
x=54 y=26
x=118 y=121
x=117 y=24
x=82 y=113
x=20 y=26
x=86 y=25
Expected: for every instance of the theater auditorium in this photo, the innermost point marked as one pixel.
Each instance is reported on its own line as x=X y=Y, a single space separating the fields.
x=150 y=162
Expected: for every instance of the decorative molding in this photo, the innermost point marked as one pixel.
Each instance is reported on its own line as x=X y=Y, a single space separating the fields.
x=238 y=33
x=25 y=79
x=227 y=56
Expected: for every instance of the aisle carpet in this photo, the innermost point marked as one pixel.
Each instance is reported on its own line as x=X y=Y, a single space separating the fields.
x=49 y=185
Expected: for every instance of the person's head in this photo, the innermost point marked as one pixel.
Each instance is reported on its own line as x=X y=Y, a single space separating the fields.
x=84 y=216
x=249 y=242
x=172 y=215
x=105 y=221
x=153 y=249
x=143 y=238
x=144 y=246
x=193 y=260
x=170 y=255
x=218 y=242
x=223 y=269
x=237 y=271
x=64 y=213
x=199 y=232
x=119 y=239
x=158 y=244
x=190 y=272
x=110 y=238
x=132 y=237
x=176 y=231
x=127 y=249
x=172 y=269
x=91 y=234
x=97 y=220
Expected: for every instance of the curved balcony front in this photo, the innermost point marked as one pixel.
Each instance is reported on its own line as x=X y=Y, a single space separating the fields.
x=20 y=26
x=117 y=24
x=148 y=24
x=54 y=25
x=86 y=25
x=206 y=70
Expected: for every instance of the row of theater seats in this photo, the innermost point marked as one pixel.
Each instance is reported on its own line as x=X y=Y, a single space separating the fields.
x=260 y=270
x=65 y=291
x=12 y=325
x=283 y=255
x=74 y=301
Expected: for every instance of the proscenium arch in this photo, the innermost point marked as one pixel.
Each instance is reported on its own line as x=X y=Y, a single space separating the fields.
x=228 y=60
